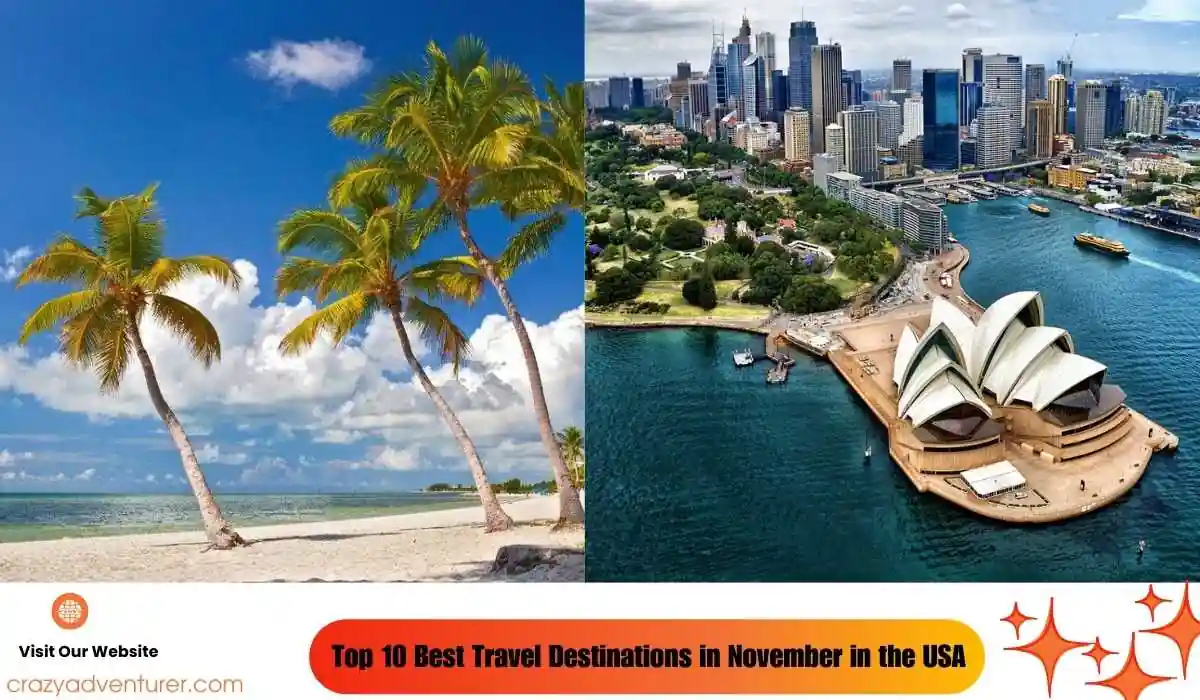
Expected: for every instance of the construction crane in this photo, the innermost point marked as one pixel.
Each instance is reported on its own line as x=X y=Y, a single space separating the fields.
x=1071 y=48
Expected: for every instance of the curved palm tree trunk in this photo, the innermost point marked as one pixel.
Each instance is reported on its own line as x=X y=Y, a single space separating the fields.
x=570 y=509
x=494 y=517
x=220 y=533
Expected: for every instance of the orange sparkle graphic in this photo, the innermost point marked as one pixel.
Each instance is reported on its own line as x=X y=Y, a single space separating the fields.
x=1049 y=648
x=1183 y=629
x=1016 y=618
x=1152 y=601
x=1098 y=653
x=1131 y=680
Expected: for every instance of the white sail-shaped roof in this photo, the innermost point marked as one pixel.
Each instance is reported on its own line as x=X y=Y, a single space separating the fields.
x=1011 y=353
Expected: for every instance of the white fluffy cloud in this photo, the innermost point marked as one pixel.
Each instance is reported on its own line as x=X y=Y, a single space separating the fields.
x=358 y=394
x=7 y=459
x=331 y=64
x=13 y=261
x=648 y=37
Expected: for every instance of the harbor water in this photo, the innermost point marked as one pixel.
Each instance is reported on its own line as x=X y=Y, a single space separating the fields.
x=700 y=472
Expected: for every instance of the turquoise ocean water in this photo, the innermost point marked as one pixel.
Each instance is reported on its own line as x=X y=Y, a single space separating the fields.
x=26 y=517
x=701 y=472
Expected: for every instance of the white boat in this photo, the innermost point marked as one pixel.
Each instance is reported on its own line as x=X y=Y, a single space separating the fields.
x=743 y=358
x=1027 y=193
x=867 y=452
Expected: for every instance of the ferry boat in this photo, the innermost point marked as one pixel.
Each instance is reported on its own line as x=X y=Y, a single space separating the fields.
x=1039 y=210
x=1104 y=245
x=743 y=358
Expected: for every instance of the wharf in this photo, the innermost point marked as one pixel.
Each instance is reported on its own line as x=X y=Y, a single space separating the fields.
x=1139 y=222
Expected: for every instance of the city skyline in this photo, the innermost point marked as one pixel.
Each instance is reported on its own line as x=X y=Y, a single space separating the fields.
x=1158 y=34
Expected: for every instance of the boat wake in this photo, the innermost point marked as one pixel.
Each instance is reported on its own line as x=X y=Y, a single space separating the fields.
x=1182 y=274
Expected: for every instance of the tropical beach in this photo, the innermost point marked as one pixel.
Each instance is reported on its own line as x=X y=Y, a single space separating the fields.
x=394 y=340
x=442 y=545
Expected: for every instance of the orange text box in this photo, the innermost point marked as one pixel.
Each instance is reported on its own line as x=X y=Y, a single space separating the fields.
x=646 y=656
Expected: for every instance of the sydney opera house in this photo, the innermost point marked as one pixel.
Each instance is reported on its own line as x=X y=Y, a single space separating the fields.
x=952 y=378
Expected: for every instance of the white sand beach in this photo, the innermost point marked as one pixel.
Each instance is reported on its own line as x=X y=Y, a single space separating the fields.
x=446 y=545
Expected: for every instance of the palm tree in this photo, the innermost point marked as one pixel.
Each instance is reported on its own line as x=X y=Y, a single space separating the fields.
x=570 y=443
x=364 y=253
x=120 y=280
x=474 y=129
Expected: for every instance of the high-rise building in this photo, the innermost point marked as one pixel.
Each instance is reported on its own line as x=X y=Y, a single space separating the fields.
x=912 y=151
x=764 y=46
x=698 y=92
x=902 y=74
x=797 y=133
x=994 y=145
x=925 y=224
x=754 y=88
x=684 y=116
x=1152 y=114
x=824 y=165
x=970 y=99
x=861 y=130
x=1035 y=82
x=779 y=92
x=826 y=90
x=683 y=70
x=939 y=94
x=914 y=118
x=1089 y=114
x=735 y=58
x=856 y=87
x=1004 y=86
x=972 y=66
x=1171 y=95
x=1057 y=94
x=802 y=37
x=835 y=143
x=718 y=88
x=891 y=123
x=1114 y=109
x=619 y=89
x=1066 y=68
x=1039 y=129
x=637 y=97
x=1133 y=113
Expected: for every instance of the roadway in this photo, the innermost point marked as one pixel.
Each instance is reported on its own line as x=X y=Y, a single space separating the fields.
x=961 y=175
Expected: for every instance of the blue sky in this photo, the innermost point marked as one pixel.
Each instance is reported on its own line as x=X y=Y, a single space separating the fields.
x=229 y=110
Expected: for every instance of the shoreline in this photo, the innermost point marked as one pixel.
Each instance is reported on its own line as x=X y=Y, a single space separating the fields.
x=440 y=545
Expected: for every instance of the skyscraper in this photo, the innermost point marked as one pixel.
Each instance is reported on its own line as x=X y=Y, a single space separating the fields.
x=1089 y=114
x=718 y=88
x=972 y=66
x=1003 y=86
x=754 y=88
x=683 y=70
x=779 y=93
x=1035 y=82
x=637 y=97
x=861 y=130
x=970 y=99
x=891 y=123
x=914 y=117
x=802 y=37
x=1153 y=114
x=735 y=57
x=826 y=90
x=1057 y=94
x=698 y=93
x=619 y=93
x=764 y=46
x=1066 y=68
x=1039 y=129
x=1114 y=110
x=852 y=86
x=797 y=133
x=902 y=74
x=835 y=144
x=993 y=146
x=939 y=94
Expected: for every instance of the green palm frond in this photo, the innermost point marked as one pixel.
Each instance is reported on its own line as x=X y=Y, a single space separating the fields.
x=168 y=271
x=530 y=242
x=84 y=335
x=336 y=320
x=439 y=331
x=188 y=324
x=381 y=173
x=65 y=260
x=321 y=230
x=456 y=278
x=112 y=358
x=90 y=203
x=132 y=231
x=58 y=310
x=299 y=275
